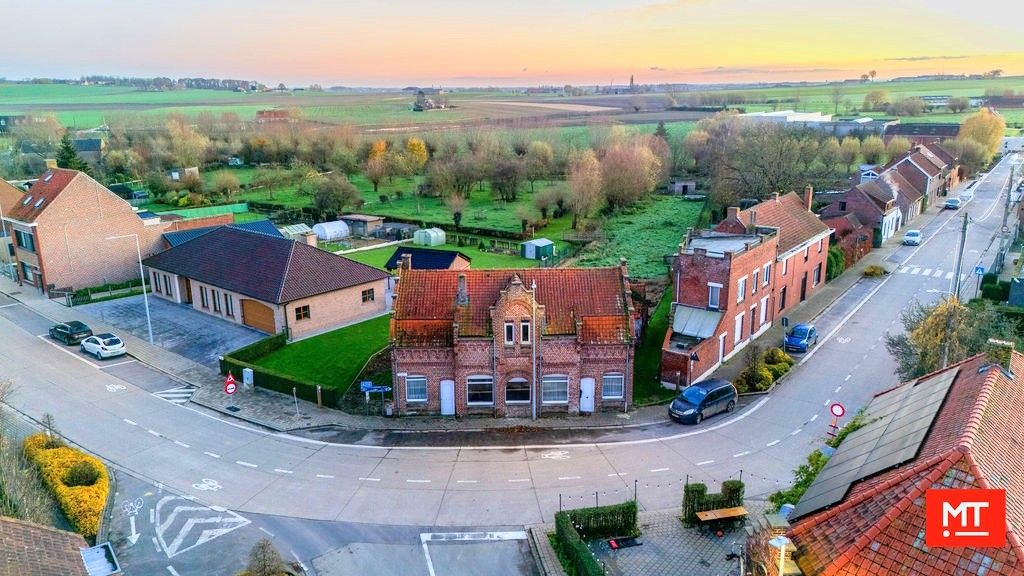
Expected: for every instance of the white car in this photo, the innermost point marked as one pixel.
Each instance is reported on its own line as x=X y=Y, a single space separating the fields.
x=912 y=238
x=966 y=196
x=104 y=345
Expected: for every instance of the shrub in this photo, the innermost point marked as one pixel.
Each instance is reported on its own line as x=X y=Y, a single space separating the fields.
x=777 y=370
x=874 y=271
x=599 y=522
x=777 y=356
x=81 y=473
x=757 y=379
x=697 y=499
x=83 y=505
x=835 y=264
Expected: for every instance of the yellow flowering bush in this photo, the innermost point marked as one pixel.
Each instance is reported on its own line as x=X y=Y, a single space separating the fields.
x=83 y=505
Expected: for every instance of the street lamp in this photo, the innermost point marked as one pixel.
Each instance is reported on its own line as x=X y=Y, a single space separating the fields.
x=689 y=373
x=142 y=276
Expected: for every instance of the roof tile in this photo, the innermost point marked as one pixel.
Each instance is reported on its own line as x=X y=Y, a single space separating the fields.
x=46 y=188
x=787 y=213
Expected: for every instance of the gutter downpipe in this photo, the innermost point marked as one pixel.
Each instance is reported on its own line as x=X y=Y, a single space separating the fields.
x=533 y=346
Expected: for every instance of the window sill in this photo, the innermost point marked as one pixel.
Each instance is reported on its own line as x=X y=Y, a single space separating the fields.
x=423 y=401
x=554 y=402
x=517 y=402
x=479 y=404
x=611 y=397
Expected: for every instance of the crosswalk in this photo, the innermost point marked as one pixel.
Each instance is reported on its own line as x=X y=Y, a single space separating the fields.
x=932 y=272
x=180 y=395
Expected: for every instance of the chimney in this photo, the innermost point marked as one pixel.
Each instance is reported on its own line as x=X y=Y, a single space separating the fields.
x=462 y=293
x=732 y=212
x=309 y=238
x=752 y=226
x=623 y=268
x=808 y=197
x=775 y=195
x=406 y=261
x=1000 y=352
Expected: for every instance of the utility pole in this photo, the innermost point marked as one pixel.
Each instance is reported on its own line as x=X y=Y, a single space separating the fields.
x=960 y=258
x=1009 y=193
x=953 y=299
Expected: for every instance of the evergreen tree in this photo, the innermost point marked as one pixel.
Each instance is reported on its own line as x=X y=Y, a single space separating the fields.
x=660 y=131
x=67 y=156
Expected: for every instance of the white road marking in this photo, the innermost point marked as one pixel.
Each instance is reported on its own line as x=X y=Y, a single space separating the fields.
x=838 y=388
x=105 y=366
x=519 y=480
x=212 y=455
x=413 y=481
x=659 y=469
x=246 y=464
x=154 y=432
x=373 y=480
x=744 y=453
x=927 y=272
x=569 y=478
x=813 y=418
x=915 y=271
x=182 y=444
x=903 y=269
x=129 y=422
x=324 y=476
x=268 y=532
x=773 y=443
x=616 y=474
x=282 y=471
x=46 y=338
x=9 y=305
x=938 y=274
x=705 y=462
x=848 y=376
x=173 y=571
x=470 y=481
x=949 y=275
x=826 y=402
x=795 y=432
x=152 y=515
x=156 y=545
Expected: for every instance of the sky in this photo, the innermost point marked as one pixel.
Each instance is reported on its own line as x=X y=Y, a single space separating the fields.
x=394 y=43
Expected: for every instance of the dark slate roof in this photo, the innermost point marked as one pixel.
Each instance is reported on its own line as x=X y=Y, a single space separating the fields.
x=425 y=258
x=262 y=226
x=934 y=130
x=88 y=144
x=264 y=267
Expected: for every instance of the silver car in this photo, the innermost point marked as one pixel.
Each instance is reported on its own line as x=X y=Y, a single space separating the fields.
x=104 y=345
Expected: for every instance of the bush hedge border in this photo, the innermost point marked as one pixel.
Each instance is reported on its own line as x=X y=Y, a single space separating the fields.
x=83 y=505
x=599 y=522
x=244 y=357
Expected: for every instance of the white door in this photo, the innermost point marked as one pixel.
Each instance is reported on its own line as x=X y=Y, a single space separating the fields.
x=721 y=348
x=586 y=395
x=447 y=397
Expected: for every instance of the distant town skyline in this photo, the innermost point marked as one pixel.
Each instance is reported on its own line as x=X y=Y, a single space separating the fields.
x=530 y=42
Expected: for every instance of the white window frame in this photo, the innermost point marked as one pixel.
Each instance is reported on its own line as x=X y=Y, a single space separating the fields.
x=510 y=327
x=767 y=268
x=524 y=331
x=204 y=297
x=785 y=265
x=480 y=378
x=156 y=283
x=529 y=391
x=621 y=385
x=229 y=305
x=753 y=281
x=816 y=276
x=550 y=380
x=716 y=289
x=408 y=389
x=741 y=288
x=764 y=310
x=821 y=245
x=738 y=328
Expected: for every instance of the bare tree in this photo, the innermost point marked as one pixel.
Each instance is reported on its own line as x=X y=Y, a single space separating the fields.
x=958 y=104
x=897 y=146
x=457 y=206
x=22 y=493
x=849 y=150
x=584 y=185
x=837 y=93
x=872 y=74
x=628 y=172
x=537 y=162
x=872 y=149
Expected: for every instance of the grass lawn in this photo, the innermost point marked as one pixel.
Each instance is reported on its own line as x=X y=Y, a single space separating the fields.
x=334 y=359
x=644 y=236
x=379 y=256
x=646 y=382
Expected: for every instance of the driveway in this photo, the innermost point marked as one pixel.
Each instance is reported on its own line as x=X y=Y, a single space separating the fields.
x=180 y=329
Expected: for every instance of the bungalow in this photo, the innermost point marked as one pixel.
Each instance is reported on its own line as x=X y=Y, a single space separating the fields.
x=267 y=282
x=519 y=343
x=875 y=207
x=865 y=513
x=427 y=259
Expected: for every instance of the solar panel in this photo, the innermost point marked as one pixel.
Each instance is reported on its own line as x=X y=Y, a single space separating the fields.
x=898 y=422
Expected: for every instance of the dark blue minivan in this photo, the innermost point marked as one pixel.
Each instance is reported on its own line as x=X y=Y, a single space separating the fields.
x=703 y=399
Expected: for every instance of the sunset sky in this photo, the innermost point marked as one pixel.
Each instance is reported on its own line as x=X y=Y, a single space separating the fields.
x=509 y=43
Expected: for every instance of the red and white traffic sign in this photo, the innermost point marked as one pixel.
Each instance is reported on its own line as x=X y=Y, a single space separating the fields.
x=837 y=409
x=229 y=384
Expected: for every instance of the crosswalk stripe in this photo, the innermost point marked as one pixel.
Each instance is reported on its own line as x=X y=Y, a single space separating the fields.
x=949 y=275
x=915 y=270
x=938 y=274
x=180 y=395
x=927 y=272
x=903 y=269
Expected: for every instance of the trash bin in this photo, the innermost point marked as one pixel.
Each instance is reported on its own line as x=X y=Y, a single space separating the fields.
x=389 y=409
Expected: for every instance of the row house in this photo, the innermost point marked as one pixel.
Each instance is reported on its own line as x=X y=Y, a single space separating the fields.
x=722 y=298
x=70 y=232
x=850 y=235
x=515 y=343
x=875 y=206
x=9 y=198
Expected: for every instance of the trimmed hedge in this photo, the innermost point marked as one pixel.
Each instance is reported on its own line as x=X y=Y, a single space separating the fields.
x=599 y=522
x=242 y=358
x=697 y=499
x=83 y=505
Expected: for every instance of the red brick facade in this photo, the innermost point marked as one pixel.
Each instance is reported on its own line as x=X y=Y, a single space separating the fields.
x=452 y=347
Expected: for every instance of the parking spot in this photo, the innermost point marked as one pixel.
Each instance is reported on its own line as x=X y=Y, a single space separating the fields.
x=76 y=352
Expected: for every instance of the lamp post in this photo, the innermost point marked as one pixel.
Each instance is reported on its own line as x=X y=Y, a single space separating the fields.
x=689 y=373
x=142 y=276
x=3 y=234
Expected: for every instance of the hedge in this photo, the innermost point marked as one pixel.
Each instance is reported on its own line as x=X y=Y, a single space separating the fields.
x=696 y=499
x=599 y=522
x=242 y=358
x=83 y=505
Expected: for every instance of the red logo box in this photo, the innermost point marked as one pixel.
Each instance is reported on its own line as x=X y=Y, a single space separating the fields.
x=956 y=518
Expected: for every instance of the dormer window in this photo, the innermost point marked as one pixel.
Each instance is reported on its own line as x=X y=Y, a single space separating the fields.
x=40 y=202
x=510 y=333
x=26 y=200
x=49 y=174
x=524 y=332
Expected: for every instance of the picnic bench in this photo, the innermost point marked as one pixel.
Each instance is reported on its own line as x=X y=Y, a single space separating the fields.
x=719 y=516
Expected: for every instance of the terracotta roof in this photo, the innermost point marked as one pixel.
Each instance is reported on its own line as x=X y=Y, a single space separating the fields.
x=942 y=153
x=932 y=157
x=896 y=182
x=877 y=192
x=925 y=164
x=878 y=528
x=264 y=267
x=425 y=309
x=46 y=188
x=843 y=224
x=28 y=549
x=787 y=213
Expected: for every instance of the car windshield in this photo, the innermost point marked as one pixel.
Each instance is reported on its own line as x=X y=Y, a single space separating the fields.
x=112 y=342
x=799 y=332
x=694 y=394
x=913 y=234
x=75 y=326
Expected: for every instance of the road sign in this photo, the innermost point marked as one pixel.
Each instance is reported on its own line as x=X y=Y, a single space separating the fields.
x=1006 y=229
x=380 y=389
x=365 y=386
x=230 y=387
x=837 y=409
x=979 y=270
x=230 y=379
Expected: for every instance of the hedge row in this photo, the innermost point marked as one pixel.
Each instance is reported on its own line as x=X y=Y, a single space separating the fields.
x=696 y=499
x=83 y=505
x=599 y=522
x=273 y=380
x=259 y=348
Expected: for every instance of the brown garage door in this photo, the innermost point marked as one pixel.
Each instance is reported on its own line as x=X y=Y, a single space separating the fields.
x=259 y=316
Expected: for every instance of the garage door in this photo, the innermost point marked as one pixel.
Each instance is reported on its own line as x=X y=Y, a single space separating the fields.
x=259 y=316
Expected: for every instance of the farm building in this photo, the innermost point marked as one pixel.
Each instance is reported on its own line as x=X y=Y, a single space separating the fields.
x=537 y=249
x=429 y=237
x=361 y=224
x=331 y=231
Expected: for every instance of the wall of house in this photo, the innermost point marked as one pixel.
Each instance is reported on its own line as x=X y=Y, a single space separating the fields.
x=179 y=295
x=333 y=309
x=22 y=255
x=792 y=268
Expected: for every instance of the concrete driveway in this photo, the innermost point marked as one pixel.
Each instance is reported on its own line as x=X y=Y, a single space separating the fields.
x=180 y=329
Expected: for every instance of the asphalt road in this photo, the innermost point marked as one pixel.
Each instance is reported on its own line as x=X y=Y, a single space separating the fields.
x=262 y=474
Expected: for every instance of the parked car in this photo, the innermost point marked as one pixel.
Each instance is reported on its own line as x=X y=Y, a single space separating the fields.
x=953 y=204
x=104 y=345
x=800 y=338
x=703 y=399
x=71 y=332
x=912 y=238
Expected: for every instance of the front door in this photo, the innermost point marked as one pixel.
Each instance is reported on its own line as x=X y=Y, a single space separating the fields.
x=803 y=288
x=721 y=348
x=447 y=397
x=188 y=291
x=586 y=395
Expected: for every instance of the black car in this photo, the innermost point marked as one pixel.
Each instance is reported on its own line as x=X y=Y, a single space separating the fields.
x=703 y=399
x=70 y=332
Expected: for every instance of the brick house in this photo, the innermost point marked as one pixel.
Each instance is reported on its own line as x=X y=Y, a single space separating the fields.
x=924 y=171
x=267 y=282
x=722 y=298
x=61 y=227
x=865 y=512
x=802 y=244
x=909 y=199
x=852 y=237
x=31 y=549
x=875 y=207
x=9 y=198
x=513 y=342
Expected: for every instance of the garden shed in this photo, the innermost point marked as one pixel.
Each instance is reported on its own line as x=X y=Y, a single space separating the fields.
x=331 y=231
x=429 y=237
x=537 y=249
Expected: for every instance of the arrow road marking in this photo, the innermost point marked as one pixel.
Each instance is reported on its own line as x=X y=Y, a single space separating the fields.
x=134 y=537
x=201 y=524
